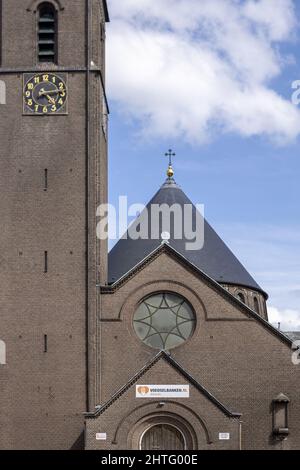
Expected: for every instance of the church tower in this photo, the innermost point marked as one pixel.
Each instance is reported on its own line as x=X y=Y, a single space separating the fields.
x=53 y=176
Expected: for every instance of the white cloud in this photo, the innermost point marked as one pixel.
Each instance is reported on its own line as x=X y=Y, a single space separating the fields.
x=271 y=255
x=289 y=319
x=277 y=25
x=185 y=68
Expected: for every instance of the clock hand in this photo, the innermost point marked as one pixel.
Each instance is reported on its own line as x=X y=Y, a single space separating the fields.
x=50 y=92
x=47 y=94
x=51 y=100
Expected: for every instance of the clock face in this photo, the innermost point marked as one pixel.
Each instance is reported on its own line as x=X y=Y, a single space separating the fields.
x=45 y=93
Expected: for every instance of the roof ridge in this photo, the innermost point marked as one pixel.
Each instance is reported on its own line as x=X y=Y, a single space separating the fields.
x=125 y=387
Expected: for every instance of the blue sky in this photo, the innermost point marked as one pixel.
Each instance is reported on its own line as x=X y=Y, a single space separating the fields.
x=181 y=75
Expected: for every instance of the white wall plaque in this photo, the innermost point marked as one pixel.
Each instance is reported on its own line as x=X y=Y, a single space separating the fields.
x=224 y=436
x=101 y=436
x=2 y=353
x=162 y=391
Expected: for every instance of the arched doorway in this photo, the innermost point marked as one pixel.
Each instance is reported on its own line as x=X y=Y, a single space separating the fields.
x=162 y=431
x=163 y=436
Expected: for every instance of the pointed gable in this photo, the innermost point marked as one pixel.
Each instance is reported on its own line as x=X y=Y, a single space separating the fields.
x=162 y=355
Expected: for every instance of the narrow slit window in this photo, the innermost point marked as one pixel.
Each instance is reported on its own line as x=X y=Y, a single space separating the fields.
x=256 y=305
x=45 y=343
x=47 y=33
x=46 y=261
x=46 y=180
x=241 y=297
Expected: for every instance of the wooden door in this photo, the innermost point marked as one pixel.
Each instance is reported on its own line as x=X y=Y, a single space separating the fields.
x=163 y=437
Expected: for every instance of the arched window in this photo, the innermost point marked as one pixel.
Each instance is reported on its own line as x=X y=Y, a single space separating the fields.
x=241 y=297
x=164 y=321
x=256 y=305
x=2 y=92
x=47 y=33
x=2 y=353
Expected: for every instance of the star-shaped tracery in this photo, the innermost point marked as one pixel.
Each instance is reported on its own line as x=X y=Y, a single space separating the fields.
x=164 y=321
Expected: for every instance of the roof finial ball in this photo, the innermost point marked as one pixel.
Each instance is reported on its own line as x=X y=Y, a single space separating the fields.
x=170 y=171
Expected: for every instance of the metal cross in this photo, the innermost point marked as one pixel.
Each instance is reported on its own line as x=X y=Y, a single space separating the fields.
x=170 y=154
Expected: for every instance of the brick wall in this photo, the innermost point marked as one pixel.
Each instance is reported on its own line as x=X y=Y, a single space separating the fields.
x=44 y=394
x=240 y=361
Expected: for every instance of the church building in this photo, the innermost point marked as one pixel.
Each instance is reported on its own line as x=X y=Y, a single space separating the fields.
x=153 y=346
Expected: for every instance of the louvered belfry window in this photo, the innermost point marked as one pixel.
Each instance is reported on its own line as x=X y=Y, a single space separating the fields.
x=47 y=33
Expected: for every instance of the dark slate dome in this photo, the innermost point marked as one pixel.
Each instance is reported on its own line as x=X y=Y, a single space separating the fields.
x=215 y=258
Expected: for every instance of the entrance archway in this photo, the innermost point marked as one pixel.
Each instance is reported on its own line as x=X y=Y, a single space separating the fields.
x=162 y=431
x=163 y=436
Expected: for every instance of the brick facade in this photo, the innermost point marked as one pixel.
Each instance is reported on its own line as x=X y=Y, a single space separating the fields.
x=69 y=355
x=237 y=356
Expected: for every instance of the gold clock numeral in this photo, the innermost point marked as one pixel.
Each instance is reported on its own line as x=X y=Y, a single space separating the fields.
x=36 y=108
x=53 y=108
x=45 y=78
x=60 y=101
x=30 y=86
x=45 y=109
x=30 y=102
x=27 y=94
x=36 y=79
x=54 y=79
x=61 y=86
x=62 y=94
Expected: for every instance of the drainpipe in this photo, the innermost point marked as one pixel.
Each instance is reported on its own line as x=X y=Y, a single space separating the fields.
x=87 y=160
x=240 y=434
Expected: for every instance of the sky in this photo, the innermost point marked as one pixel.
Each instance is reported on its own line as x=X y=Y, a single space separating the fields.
x=213 y=80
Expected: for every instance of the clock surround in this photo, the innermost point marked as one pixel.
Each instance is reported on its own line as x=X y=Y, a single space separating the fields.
x=45 y=93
